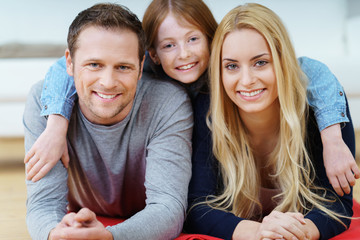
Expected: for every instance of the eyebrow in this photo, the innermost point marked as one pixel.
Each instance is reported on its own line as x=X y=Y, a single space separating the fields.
x=253 y=58
x=171 y=38
x=119 y=63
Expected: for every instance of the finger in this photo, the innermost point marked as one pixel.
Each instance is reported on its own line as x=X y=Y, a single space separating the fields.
x=82 y=233
x=355 y=170
x=32 y=161
x=265 y=234
x=297 y=216
x=350 y=178
x=344 y=184
x=42 y=172
x=285 y=233
x=69 y=220
x=289 y=227
x=30 y=167
x=35 y=169
x=85 y=215
x=65 y=157
x=29 y=155
x=336 y=186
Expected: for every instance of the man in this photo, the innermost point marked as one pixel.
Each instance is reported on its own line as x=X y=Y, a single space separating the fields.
x=129 y=140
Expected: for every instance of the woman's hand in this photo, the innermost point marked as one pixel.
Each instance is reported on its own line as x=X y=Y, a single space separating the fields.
x=288 y=225
x=277 y=226
x=48 y=149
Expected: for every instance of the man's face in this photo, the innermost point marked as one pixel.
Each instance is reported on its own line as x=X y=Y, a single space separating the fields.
x=106 y=70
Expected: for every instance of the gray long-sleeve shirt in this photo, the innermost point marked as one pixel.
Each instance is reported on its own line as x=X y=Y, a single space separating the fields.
x=137 y=169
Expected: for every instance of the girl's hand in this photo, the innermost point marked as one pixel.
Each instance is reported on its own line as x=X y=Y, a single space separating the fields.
x=48 y=149
x=340 y=165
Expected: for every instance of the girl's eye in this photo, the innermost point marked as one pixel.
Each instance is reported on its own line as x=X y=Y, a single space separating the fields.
x=231 y=66
x=168 y=45
x=261 y=63
x=193 y=39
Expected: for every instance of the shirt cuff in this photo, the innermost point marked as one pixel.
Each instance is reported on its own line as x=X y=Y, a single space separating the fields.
x=62 y=107
x=328 y=117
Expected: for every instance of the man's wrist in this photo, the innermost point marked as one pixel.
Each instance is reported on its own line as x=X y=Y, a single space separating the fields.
x=109 y=235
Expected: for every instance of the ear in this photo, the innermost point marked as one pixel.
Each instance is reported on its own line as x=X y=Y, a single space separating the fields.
x=69 y=64
x=154 y=57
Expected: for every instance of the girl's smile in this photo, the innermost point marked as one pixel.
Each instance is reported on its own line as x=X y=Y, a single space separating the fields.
x=182 y=49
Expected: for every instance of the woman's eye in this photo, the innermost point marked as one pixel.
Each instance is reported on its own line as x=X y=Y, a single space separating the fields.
x=231 y=66
x=261 y=63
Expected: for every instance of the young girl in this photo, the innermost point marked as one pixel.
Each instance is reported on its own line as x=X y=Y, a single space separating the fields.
x=179 y=34
x=258 y=171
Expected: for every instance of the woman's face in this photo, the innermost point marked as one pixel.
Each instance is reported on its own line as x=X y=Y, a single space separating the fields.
x=247 y=71
x=182 y=49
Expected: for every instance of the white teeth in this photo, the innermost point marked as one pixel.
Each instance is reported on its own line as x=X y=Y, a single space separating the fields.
x=106 y=96
x=187 y=66
x=251 y=94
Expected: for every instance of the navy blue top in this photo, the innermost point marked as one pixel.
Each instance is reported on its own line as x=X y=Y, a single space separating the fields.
x=206 y=180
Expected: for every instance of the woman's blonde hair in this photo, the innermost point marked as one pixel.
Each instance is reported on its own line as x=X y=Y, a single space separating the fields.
x=195 y=12
x=231 y=147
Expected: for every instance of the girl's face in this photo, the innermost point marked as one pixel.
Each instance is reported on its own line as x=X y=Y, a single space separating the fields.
x=247 y=71
x=182 y=49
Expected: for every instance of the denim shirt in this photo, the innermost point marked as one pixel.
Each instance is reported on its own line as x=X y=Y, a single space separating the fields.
x=324 y=92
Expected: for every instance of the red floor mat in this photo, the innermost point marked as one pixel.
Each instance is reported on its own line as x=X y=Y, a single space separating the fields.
x=353 y=233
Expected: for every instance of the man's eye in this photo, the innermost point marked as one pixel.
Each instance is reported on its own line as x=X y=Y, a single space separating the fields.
x=123 y=68
x=94 y=65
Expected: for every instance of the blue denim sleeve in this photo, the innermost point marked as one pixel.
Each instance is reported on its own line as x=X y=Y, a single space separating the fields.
x=325 y=94
x=58 y=93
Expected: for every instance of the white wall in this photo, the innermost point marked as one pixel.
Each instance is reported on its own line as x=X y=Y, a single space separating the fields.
x=320 y=29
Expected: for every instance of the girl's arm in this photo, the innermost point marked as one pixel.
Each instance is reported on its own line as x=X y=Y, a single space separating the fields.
x=57 y=99
x=59 y=93
x=327 y=226
x=327 y=99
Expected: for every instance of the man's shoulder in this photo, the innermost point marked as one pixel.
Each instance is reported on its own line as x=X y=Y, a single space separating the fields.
x=33 y=97
x=161 y=95
x=160 y=87
x=36 y=88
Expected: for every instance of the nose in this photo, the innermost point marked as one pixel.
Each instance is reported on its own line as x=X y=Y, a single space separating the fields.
x=185 y=51
x=108 y=79
x=247 y=78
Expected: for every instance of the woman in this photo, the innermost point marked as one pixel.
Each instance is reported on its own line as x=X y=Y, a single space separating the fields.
x=258 y=171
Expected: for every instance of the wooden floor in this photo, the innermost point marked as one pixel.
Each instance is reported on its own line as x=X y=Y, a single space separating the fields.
x=13 y=198
x=12 y=203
